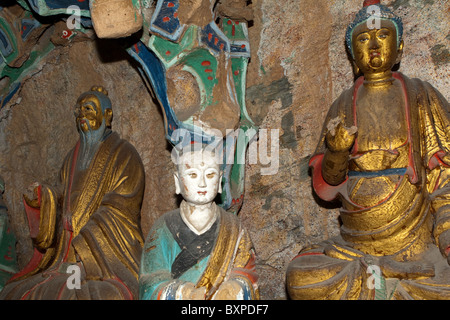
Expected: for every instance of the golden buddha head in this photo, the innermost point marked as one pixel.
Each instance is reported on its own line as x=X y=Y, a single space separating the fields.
x=374 y=38
x=92 y=109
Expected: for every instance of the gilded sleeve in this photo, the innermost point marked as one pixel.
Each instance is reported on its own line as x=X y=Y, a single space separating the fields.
x=437 y=157
x=244 y=268
x=49 y=202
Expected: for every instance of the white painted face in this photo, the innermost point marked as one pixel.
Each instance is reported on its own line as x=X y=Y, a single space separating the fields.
x=198 y=178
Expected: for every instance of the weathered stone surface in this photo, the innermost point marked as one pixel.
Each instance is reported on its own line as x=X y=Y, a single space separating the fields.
x=115 y=18
x=186 y=103
x=196 y=12
x=298 y=67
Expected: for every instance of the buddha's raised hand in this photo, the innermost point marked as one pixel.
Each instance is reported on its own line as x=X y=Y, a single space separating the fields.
x=340 y=138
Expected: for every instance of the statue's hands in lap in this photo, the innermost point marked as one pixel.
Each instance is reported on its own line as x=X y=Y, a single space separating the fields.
x=190 y=292
x=31 y=197
x=340 y=138
x=228 y=290
x=406 y=270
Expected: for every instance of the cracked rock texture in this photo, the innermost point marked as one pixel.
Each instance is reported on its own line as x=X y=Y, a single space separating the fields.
x=298 y=67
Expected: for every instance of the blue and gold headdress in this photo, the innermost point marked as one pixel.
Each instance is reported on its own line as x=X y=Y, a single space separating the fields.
x=102 y=96
x=368 y=12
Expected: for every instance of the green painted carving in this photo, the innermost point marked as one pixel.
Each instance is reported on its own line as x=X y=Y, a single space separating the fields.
x=21 y=48
x=200 y=59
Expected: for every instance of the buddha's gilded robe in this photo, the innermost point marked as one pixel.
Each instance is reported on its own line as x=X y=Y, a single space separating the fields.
x=91 y=220
x=395 y=206
x=174 y=255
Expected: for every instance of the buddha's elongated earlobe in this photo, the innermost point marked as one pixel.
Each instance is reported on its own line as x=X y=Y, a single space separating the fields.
x=108 y=117
x=220 y=183
x=400 y=52
x=177 y=183
x=356 y=69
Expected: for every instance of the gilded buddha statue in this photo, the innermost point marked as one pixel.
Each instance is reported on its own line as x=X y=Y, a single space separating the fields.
x=88 y=224
x=384 y=153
